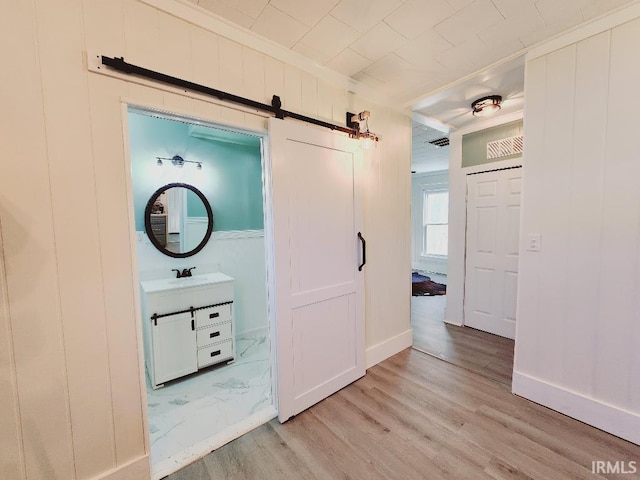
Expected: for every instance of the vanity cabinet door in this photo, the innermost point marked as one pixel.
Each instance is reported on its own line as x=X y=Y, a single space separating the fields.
x=174 y=347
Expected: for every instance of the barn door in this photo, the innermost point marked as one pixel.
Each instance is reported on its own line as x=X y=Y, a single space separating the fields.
x=317 y=214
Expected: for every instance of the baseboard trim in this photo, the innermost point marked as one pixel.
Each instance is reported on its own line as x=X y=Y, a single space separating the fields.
x=136 y=469
x=200 y=449
x=611 y=419
x=388 y=348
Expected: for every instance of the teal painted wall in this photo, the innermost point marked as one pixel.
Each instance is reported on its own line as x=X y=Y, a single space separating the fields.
x=231 y=175
x=195 y=207
x=474 y=145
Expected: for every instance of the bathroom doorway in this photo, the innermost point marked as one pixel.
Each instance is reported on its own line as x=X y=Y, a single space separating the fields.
x=198 y=204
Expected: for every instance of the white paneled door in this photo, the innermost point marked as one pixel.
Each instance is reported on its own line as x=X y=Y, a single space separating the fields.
x=491 y=277
x=317 y=215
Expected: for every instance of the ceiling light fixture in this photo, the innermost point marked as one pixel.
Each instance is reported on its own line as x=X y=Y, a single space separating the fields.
x=177 y=161
x=486 y=105
x=355 y=120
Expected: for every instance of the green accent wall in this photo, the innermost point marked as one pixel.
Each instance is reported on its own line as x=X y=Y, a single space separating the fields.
x=231 y=175
x=474 y=145
x=195 y=207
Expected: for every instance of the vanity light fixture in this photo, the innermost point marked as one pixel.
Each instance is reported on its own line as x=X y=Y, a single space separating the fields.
x=486 y=105
x=178 y=161
x=355 y=121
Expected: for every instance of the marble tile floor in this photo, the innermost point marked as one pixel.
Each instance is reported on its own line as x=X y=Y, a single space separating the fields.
x=190 y=410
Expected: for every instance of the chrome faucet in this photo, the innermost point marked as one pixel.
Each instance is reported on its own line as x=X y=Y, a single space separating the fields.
x=186 y=272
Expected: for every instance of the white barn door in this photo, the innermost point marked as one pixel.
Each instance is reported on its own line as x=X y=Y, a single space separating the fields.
x=493 y=225
x=317 y=215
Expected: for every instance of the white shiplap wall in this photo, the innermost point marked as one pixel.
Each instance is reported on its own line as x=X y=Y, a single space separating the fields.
x=71 y=384
x=578 y=326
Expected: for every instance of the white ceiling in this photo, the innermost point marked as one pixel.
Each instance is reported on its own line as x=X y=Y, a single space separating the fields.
x=452 y=105
x=426 y=157
x=407 y=49
x=433 y=56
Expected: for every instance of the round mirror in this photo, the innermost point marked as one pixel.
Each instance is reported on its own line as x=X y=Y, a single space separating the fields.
x=178 y=220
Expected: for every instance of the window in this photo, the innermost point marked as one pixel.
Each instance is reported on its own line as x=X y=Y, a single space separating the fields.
x=435 y=215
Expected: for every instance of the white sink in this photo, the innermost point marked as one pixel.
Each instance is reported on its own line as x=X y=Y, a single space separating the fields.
x=161 y=284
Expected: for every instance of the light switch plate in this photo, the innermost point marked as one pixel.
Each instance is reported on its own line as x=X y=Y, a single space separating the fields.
x=533 y=242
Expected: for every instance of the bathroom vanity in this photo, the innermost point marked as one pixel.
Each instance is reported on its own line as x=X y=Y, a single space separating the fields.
x=188 y=324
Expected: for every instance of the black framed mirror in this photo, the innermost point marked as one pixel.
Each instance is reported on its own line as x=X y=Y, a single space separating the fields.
x=178 y=220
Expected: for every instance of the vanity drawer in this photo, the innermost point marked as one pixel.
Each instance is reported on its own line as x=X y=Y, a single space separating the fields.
x=215 y=353
x=213 y=334
x=160 y=238
x=211 y=315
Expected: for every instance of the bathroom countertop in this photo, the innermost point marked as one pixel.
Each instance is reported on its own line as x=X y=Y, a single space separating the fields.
x=163 y=284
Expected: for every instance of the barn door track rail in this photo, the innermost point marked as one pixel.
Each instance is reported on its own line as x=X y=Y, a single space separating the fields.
x=275 y=108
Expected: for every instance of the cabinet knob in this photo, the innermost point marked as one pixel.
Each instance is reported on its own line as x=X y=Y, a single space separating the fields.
x=217 y=352
x=214 y=334
x=214 y=315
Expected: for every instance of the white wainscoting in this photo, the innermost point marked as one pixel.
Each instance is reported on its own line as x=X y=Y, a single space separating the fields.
x=238 y=253
x=196 y=229
x=431 y=264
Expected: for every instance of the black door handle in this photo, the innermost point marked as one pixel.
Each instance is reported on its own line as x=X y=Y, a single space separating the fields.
x=364 y=251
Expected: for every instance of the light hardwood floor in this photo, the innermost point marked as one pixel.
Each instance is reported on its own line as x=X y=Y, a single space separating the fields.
x=481 y=352
x=416 y=417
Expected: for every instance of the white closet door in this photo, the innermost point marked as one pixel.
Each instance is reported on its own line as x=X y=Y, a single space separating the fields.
x=317 y=212
x=493 y=224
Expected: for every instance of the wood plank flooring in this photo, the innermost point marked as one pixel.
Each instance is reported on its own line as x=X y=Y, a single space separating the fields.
x=414 y=416
x=481 y=352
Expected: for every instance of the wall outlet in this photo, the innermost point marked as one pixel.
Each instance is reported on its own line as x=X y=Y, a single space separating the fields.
x=533 y=242
x=140 y=236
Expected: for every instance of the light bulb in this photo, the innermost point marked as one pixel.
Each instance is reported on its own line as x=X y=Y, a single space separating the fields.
x=368 y=144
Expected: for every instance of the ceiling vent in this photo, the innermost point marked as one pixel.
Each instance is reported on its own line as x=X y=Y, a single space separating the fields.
x=505 y=147
x=440 y=142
